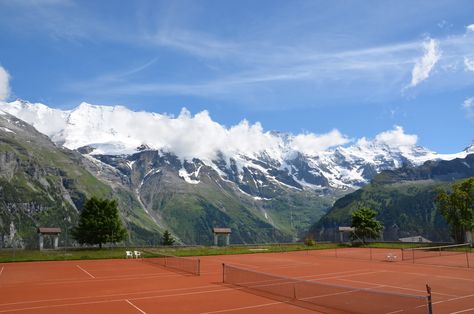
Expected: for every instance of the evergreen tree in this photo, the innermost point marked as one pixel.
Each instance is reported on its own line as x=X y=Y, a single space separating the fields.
x=457 y=208
x=99 y=223
x=167 y=239
x=365 y=224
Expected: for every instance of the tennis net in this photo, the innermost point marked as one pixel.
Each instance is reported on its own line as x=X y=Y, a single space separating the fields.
x=185 y=264
x=325 y=298
x=436 y=251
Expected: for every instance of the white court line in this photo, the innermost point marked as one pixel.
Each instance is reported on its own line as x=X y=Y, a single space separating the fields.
x=455 y=299
x=464 y=311
x=119 y=300
x=84 y=271
x=126 y=294
x=139 y=309
x=243 y=308
x=342 y=276
x=401 y=288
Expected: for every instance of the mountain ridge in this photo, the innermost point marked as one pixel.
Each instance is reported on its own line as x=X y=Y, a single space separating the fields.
x=100 y=130
x=404 y=199
x=271 y=188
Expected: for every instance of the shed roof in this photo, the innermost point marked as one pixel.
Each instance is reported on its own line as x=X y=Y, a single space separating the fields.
x=44 y=230
x=222 y=230
x=415 y=239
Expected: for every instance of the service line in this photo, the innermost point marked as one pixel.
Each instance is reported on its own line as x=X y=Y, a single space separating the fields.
x=139 y=309
x=85 y=271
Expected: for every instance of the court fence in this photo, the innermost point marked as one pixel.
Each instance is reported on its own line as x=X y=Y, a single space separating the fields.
x=456 y=252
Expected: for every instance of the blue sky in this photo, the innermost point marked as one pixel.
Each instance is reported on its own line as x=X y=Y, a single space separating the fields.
x=361 y=67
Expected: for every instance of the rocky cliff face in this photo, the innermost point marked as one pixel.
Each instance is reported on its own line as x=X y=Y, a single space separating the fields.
x=45 y=185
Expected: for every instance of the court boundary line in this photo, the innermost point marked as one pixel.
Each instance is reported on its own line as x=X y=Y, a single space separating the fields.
x=454 y=299
x=119 y=300
x=109 y=278
x=341 y=273
x=463 y=311
x=105 y=295
x=245 y=307
x=401 y=288
x=139 y=309
x=85 y=271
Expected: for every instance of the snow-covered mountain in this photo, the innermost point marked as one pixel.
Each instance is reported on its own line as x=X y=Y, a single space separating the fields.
x=303 y=161
x=189 y=173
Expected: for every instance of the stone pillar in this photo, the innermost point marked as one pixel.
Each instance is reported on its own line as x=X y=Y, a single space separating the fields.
x=41 y=241
x=56 y=241
x=227 y=239
x=215 y=239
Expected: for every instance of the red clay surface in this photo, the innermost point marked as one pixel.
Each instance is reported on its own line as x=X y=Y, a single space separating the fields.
x=135 y=286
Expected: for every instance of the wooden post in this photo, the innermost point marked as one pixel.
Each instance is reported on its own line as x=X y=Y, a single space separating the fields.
x=41 y=241
x=467 y=256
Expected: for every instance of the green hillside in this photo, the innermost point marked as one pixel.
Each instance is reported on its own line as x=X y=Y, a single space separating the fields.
x=404 y=200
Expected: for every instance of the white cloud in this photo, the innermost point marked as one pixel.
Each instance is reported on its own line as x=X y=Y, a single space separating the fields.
x=396 y=138
x=4 y=84
x=468 y=103
x=118 y=130
x=422 y=69
x=468 y=106
x=470 y=28
x=312 y=144
x=469 y=64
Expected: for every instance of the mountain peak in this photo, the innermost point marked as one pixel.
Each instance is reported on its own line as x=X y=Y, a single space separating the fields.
x=469 y=149
x=308 y=157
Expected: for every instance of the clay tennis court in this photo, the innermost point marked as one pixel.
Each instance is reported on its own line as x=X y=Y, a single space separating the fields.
x=139 y=286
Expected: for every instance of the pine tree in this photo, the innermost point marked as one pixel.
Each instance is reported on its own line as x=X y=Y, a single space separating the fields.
x=167 y=239
x=99 y=223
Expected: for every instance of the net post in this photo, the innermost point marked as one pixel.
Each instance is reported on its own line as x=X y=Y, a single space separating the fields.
x=199 y=267
x=370 y=250
x=294 y=291
x=468 y=249
x=430 y=305
x=223 y=271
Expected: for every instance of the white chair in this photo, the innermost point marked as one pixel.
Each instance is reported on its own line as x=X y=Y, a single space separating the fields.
x=391 y=257
x=128 y=254
x=137 y=254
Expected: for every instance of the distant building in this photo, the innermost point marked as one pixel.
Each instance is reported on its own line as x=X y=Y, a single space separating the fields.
x=221 y=232
x=415 y=239
x=52 y=232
